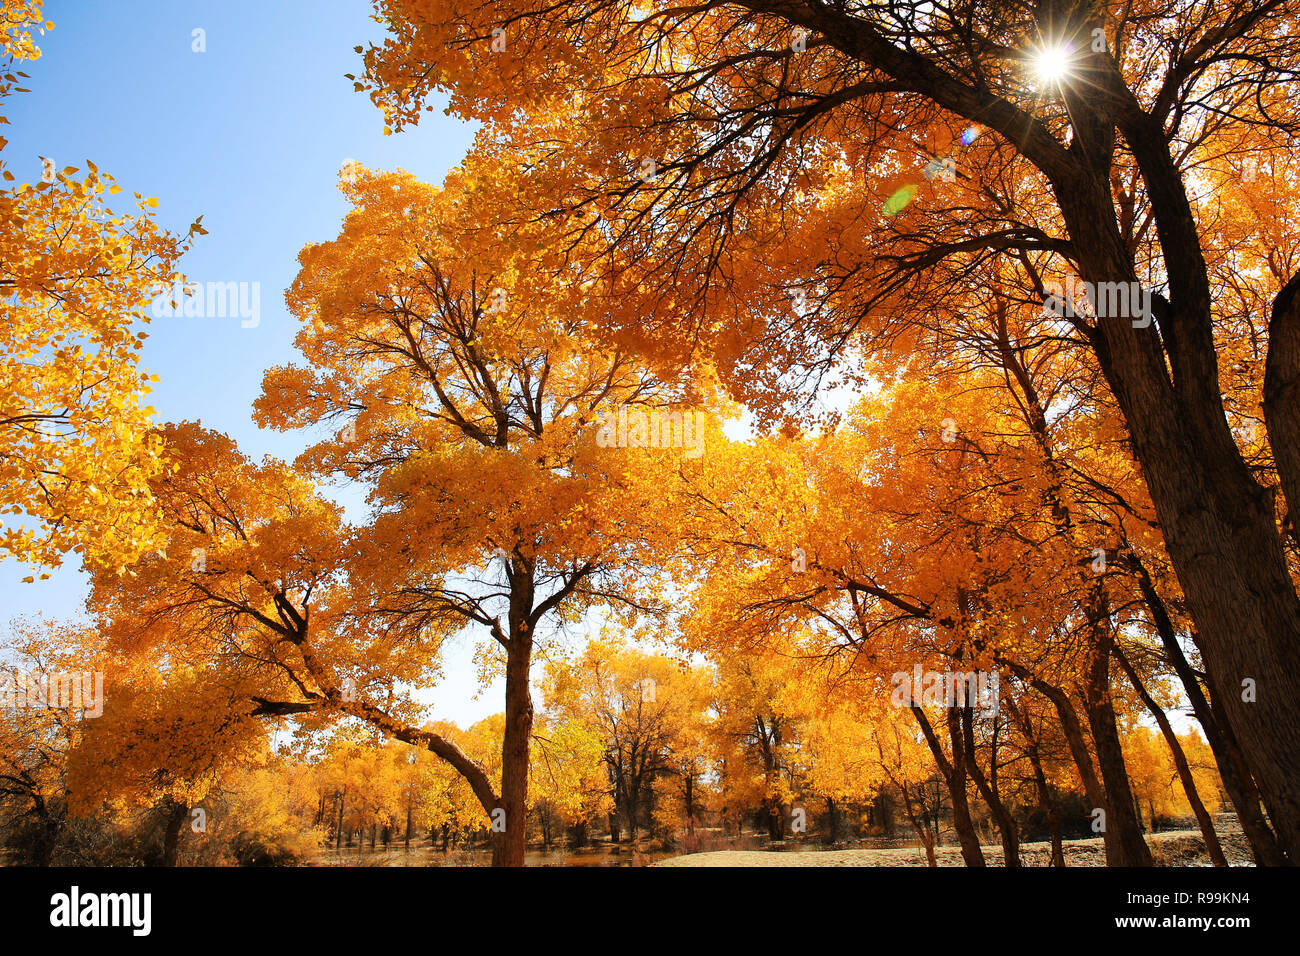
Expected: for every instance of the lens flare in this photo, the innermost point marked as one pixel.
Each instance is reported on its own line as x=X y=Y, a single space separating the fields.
x=898 y=202
x=1052 y=64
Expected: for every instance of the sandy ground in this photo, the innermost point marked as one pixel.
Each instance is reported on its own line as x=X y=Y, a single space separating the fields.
x=1174 y=848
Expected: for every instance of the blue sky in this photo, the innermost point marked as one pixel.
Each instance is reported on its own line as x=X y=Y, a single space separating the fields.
x=250 y=134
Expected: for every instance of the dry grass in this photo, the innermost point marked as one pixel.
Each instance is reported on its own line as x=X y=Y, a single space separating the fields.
x=1174 y=848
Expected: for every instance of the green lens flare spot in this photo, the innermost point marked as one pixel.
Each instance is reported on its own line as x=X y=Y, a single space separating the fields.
x=898 y=202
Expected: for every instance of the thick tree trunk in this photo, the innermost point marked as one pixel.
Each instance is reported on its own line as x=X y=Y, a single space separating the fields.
x=632 y=810
x=48 y=834
x=1282 y=393
x=1218 y=523
x=968 y=839
x=510 y=842
x=1244 y=794
x=1247 y=638
x=773 y=820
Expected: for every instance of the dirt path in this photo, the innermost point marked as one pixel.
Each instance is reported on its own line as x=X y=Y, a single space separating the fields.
x=1175 y=848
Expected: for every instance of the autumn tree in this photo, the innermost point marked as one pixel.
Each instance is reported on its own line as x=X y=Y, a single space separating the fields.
x=166 y=739
x=646 y=711
x=75 y=448
x=470 y=408
x=900 y=545
x=720 y=145
x=36 y=738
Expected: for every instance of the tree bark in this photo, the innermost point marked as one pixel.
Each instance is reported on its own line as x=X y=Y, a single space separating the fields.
x=1074 y=739
x=510 y=843
x=1282 y=391
x=923 y=830
x=1218 y=523
x=338 y=832
x=1045 y=800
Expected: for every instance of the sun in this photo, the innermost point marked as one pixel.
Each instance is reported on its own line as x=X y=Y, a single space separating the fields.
x=1052 y=64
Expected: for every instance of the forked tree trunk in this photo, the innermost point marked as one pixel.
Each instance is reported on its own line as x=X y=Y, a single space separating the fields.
x=1218 y=523
x=1007 y=832
x=954 y=776
x=1074 y=738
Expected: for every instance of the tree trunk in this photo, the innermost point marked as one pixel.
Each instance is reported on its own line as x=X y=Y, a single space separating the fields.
x=772 y=817
x=1074 y=738
x=923 y=832
x=1129 y=849
x=954 y=775
x=1203 y=820
x=176 y=814
x=1045 y=800
x=1218 y=523
x=509 y=844
x=1007 y=833
x=1238 y=781
x=632 y=809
